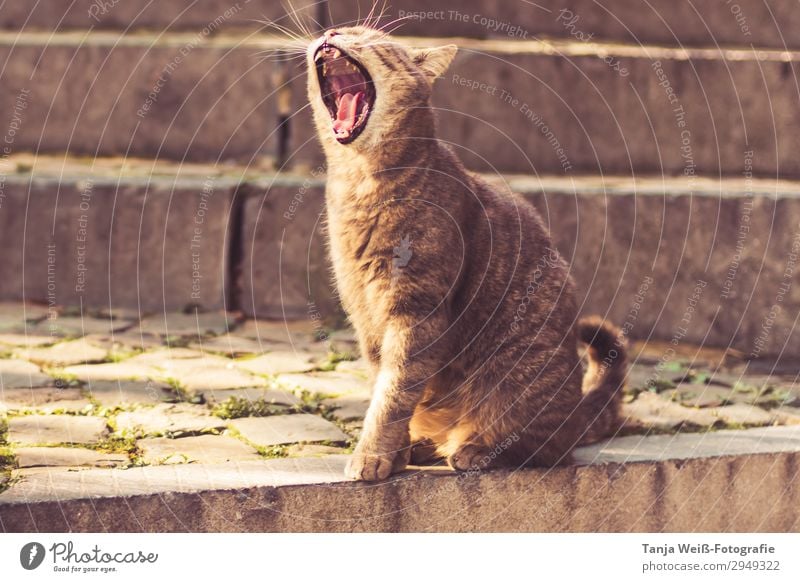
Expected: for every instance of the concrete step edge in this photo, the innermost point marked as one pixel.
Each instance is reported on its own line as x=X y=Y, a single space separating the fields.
x=23 y=168
x=311 y=494
x=258 y=41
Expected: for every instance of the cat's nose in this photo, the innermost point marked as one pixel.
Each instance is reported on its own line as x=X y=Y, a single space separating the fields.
x=331 y=33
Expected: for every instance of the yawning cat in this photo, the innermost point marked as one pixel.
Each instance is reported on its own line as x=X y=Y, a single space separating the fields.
x=463 y=310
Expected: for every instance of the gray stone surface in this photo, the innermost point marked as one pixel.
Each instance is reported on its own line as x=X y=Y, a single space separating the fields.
x=214 y=378
x=110 y=393
x=44 y=399
x=353 y=367
x=687 y=446
x=651 y=410
x=275 y=363
x=58 y=428
x=125 y=370
x=288 y=428
x=129 y=219
x=276 y=284
x=309 y=494
x=269 y=395
x=28 y=457
x=64 y=354
x=25 y=340
x=661 y=22
x=230 y=345
x=189 y=324
x=217 y=15
x=744 y=414
x=297 y=333
x=312 y=450
x=333 y=383
x=21 y=374
x=198 y=449
x=349 y=406
x=163 y=419
x=567 y=96
x=186 y=119
x=70 y=326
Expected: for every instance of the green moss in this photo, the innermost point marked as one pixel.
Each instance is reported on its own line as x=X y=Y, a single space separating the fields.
x=235 y=407
x=272 y=452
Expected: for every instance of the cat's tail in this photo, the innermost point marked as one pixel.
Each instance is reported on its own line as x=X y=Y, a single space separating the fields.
x=604 y=379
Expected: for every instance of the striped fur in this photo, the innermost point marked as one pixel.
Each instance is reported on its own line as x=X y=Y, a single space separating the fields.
x=463 y=311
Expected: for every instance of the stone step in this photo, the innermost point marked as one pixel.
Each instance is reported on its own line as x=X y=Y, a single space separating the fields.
x=685 y=260
x=630 y=484
x=596 y=108
x=506 y=105
x=648 y=253
x=670 y=22
x=99 y=235
x=177 y=96
x=144 y=14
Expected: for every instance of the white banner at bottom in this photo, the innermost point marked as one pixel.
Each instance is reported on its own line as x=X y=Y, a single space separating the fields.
x=355 y=557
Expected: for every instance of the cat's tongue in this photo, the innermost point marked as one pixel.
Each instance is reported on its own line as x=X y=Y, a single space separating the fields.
x=346 y=115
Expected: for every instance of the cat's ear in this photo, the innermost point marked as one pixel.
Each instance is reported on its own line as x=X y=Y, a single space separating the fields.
x=434 y=61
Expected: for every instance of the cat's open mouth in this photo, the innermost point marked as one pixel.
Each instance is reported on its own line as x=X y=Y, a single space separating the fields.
x=347 y=91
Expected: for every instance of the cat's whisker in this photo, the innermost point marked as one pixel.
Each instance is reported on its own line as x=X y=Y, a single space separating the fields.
x=294 y=15
x=400 y=20
x=284 y=30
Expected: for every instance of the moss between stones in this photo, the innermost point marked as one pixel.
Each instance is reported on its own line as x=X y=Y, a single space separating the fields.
x=271 y=452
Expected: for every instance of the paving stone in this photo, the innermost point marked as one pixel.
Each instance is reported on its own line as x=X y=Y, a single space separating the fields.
x=196 y=371
x=215 y=378
x=44 y=399
x=699 y=395
x=24 y=340
x=55 y=428
x=15 y=318
x=111 y=393
x=230 y=345
x=787 y=415
x=288 y=428
x=168 y=419
x=358 y=367
x=125 y=370
x=298 y=333
x=199 y=449
x=651 y=410
x=64 y=354
x=639 y=377
x=79 y=326
x=307 y=450
x=325 y=382
x=743 y=414
x=191 y=324
x=22 y=311
x=127 y=339
x=275 y=363
x=166 y=356
x=349 y=406
x=21 y=374
x=130 y=314
x=278 y=397
x=28 y=457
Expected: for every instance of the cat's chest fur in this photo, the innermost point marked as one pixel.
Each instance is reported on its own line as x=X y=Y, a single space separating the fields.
x=360 y=238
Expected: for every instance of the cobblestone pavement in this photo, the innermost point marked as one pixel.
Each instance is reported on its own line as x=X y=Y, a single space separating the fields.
x=119 y=391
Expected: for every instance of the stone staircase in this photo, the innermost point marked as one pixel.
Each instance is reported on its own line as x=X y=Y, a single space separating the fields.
x=151 y=161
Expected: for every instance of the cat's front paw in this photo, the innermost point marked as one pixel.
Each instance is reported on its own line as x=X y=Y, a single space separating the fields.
x=365 y=466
